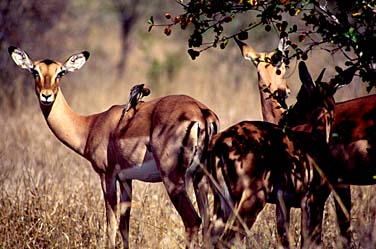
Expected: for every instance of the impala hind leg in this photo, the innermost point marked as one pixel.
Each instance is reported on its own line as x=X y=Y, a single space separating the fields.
x=344 y=221
x=248 y=208
x=200 y=186
x=283 y=224
x=184 y=206
x=312 y=216
x=109 y=192
x=125 y=210
x=251 y=204
x=221 y=214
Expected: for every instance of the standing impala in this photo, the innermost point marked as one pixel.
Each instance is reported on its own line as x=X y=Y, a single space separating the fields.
x=272 y=84
x=271 y=108
x=353 y=146
x=160 y=139
x=259 y=162
x=349 y=146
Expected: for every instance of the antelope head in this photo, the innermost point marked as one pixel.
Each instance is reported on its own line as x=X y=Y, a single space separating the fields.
x=271 y=69
x=315 y=104
x=47 y=73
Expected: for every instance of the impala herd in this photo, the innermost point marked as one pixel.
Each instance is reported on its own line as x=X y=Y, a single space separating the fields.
x=293 y=158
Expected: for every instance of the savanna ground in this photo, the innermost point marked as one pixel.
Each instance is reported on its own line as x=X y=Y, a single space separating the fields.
x=51 y=198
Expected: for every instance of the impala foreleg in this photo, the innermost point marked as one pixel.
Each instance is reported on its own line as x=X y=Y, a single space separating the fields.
x=109 y=193
x=125 y=210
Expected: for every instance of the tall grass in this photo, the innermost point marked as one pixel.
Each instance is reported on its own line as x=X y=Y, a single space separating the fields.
x=51 y=198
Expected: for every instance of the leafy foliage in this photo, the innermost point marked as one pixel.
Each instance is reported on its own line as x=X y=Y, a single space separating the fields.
x=347 y=27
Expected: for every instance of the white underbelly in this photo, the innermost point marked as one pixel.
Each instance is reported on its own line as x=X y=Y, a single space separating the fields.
x=147 y=171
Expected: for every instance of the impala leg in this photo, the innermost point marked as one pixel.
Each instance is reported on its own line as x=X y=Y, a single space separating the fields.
x=251 y=204
x=109 y=193
x=312 y=215
x=176 y=190
x=283 y=224
x=125 y=210
x=344 y=221
x=220 y=217
x=200 y=185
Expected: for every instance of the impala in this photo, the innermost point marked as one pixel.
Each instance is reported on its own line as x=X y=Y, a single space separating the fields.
x=345 y=147
x=272 y=84
x=353 y=146
x=259 y=162
x=158 y=140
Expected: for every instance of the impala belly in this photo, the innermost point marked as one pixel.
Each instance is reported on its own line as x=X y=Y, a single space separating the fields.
x=136 y=161
x=355 y=162
x=146 y=172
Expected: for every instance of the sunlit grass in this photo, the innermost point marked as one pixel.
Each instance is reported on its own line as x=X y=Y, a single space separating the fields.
x=51 y=198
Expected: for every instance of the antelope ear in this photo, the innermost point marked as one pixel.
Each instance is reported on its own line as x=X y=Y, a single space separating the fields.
x=283 y=44
x=248 y=52
x=21 y=58
x=319 y=79
x=76 y=61
x=305 y=77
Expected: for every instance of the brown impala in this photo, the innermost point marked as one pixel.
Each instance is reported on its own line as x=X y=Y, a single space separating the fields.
x=158 y=140
x=272 y=84
x=353 y=146
x=258 y=162
x=349 y=143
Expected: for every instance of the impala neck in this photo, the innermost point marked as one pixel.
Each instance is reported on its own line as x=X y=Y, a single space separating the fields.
x=69 y=127
x=271 y=110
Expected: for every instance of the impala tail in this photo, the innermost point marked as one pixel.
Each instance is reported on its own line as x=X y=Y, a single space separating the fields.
x=201 y=133
x=202 y=137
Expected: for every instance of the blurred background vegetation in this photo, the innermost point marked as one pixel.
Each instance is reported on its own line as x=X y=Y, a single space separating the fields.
x=50 y=197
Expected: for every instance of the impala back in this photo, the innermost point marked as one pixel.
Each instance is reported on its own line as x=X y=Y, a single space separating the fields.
x=353 y=140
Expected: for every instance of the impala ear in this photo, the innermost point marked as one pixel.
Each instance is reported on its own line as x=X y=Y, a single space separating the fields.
x=283 y=44
x=21 y=58
x=305 y=77
x=248 y=52
x=76 y=61
x=319 y=79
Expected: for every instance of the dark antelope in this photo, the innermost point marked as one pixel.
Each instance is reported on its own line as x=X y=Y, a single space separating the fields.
x=258 y=162
x=353 y=146
x=349 y=145
x=154 y=141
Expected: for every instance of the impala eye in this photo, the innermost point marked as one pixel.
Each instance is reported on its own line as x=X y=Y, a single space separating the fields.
x=35 y=73
x=60 y=74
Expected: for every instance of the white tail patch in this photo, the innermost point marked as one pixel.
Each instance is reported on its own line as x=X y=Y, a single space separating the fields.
x=195 y=161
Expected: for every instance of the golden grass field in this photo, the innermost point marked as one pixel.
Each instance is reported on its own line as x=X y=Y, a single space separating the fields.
x=51 y=198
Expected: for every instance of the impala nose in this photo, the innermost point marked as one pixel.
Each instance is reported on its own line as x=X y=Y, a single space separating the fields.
x=46 y=98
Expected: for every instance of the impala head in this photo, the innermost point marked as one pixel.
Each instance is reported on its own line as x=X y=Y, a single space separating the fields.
x=47 y=73
x=315 y=103
x=271 y=69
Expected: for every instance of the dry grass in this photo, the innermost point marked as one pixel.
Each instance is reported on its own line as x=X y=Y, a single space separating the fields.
x=51 y=198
